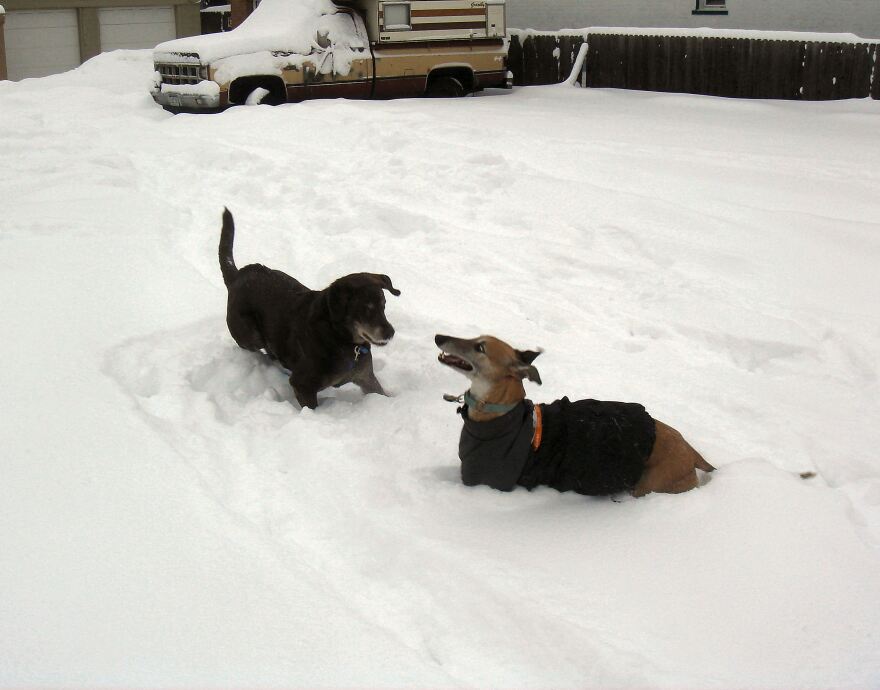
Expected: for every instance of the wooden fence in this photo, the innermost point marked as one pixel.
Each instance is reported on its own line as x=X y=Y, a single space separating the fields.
x=714 y=66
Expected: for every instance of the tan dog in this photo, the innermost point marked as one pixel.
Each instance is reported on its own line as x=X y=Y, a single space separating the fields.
x=588 y=446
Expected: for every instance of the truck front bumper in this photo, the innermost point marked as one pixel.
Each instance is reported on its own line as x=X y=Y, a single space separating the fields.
x=188 y=102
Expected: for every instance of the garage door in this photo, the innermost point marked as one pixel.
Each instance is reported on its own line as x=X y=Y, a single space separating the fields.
x=135 y=27
x=41 y=42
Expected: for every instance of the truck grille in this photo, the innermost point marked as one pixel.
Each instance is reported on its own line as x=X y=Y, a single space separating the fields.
x=179 y=73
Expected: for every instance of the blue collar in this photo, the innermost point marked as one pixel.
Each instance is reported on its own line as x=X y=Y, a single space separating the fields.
x=481 y=406
x=359 y=351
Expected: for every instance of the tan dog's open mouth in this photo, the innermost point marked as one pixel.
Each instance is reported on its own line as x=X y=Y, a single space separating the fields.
x=455 y=362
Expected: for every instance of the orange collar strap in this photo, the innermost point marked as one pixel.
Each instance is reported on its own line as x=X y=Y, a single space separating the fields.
x=539 y=427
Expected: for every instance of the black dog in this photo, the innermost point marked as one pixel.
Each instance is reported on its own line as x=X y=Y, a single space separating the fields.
x=322 y=337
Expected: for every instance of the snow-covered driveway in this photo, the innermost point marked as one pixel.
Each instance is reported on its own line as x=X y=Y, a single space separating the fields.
x=168 y=517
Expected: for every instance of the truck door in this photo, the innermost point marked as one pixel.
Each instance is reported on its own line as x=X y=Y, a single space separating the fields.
x=344 y=66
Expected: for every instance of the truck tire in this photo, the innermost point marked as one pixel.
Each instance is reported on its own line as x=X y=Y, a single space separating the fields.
x=254 y=90
x=444 y=87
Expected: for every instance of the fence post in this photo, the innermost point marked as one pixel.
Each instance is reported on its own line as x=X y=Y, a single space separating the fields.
x=875 y=73
x=514 y=59
x=3 y=72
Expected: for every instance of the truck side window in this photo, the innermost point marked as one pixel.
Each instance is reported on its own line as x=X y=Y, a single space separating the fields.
x=396 y=16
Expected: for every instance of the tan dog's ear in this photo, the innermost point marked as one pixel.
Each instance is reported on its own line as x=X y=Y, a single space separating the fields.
x=527 y=371
x=385 y=282
x=524 y=368
x=527 y=356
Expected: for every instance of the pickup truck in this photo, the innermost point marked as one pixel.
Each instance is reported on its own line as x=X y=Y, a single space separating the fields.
x=291 y=50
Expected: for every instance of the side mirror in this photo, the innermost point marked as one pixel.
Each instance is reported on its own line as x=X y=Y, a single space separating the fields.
x=322 y=39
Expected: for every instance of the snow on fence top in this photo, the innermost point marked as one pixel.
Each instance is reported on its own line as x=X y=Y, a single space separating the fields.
x=2 y=11
x=753 y=34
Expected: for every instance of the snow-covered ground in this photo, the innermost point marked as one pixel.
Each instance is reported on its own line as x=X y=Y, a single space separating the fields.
x=168 y=517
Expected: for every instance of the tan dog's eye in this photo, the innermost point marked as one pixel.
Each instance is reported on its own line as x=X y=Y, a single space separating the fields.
x=480 y=347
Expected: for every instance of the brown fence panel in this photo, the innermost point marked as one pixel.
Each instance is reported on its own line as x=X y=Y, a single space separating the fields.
x=633 y=65
x=824 y=57
x=676 y=57
x=533 y=59
x=569 y=47
x=724 y=67
x=715 y=66
x=875 y=73
x=810 y=71
x=606 y=61
x=548 y=69
x=856 y=82
x=530 y=61
x=515 y=59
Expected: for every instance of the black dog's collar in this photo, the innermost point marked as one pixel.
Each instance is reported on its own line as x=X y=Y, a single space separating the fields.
x=359 y=351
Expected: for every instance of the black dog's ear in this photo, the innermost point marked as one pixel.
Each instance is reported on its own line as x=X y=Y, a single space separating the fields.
x=337 y=300
x=527 y=356
x=385 y=282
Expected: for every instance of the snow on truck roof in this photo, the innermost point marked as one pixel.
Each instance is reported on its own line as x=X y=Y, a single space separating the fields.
x=284 y=26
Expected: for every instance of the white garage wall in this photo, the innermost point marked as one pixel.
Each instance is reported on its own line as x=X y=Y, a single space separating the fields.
x=135 y=27
x=861 y=17
x=39 y=43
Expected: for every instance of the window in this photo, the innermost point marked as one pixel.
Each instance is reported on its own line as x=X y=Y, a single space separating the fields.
x=395 y=16
x=711 y=7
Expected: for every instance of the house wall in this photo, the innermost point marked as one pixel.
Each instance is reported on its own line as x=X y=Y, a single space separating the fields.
x=239 y=11
x=860 y=17
x=2 y=44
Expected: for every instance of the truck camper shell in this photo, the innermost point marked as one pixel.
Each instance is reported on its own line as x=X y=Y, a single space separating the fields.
x=412 y=21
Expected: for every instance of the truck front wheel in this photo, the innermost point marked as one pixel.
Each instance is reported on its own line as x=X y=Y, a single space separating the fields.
x=444 y=87
x=253 y=90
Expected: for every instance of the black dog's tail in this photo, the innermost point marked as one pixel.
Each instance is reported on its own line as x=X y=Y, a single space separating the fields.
x=227 y=236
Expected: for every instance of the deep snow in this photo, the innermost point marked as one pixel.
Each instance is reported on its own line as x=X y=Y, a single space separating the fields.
x=171 y=518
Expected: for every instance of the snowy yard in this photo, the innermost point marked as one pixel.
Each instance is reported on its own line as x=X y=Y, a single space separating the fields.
x=169 y=518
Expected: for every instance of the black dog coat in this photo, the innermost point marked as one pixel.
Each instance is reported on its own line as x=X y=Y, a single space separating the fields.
x=592 y=447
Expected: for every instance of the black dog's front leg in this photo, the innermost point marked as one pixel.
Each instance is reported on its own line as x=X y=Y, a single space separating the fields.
x=306 y=393
x=366 y=380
